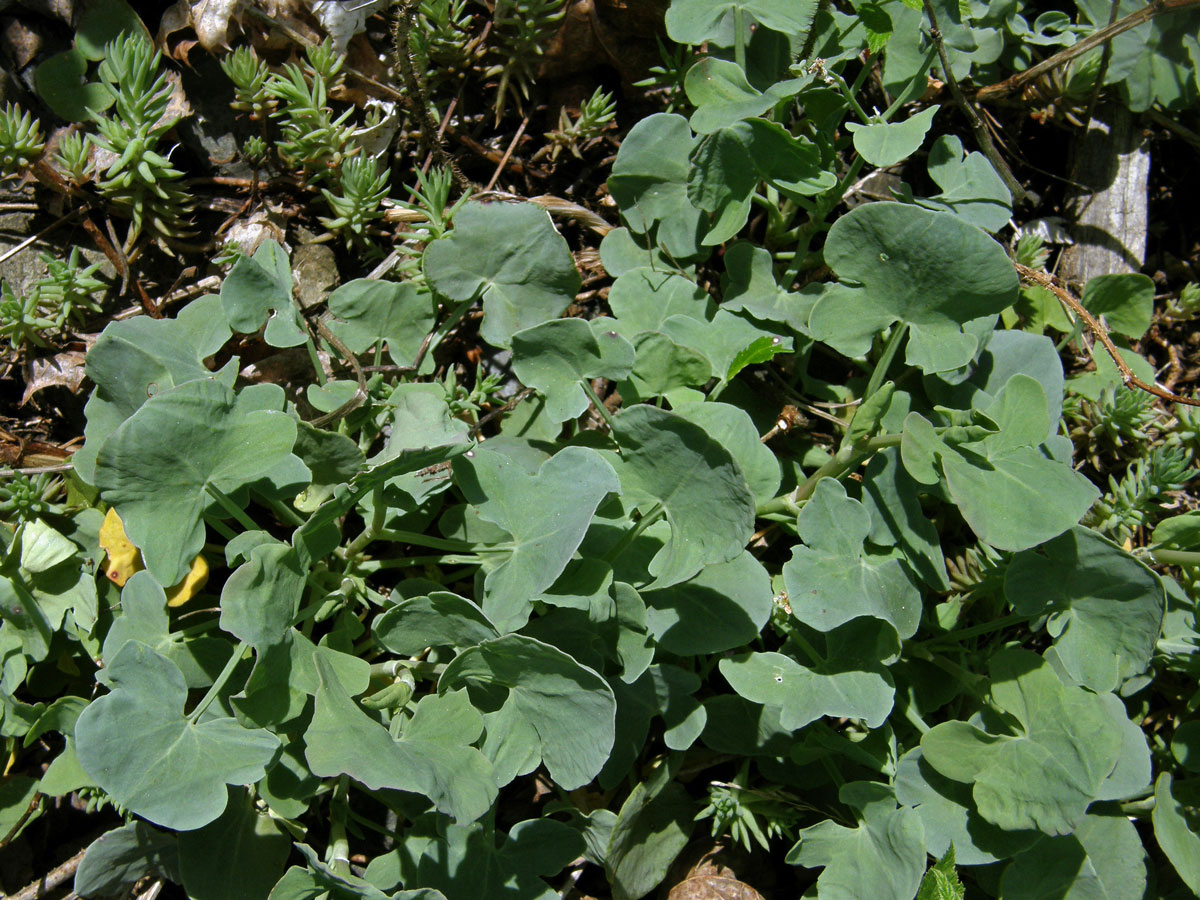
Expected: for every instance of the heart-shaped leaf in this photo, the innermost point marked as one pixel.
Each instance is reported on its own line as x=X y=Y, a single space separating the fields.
x=553 y=709
x=137 y=744
x=510 y=256
x=258 y=291
x=668 y=462
x=156 y=466
x=437 y=763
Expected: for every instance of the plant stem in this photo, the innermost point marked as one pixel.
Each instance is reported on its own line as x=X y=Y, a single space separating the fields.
x=633 y=533
x=219 y=684
x=377 y=565
x=423 y=540
x=740 y=38
x=339 y=845
x=961 y=634
x=1176 y=557
x=285 y=512
x=885 y=361
x=378 y=517
x=597 y=402
x=226 y=503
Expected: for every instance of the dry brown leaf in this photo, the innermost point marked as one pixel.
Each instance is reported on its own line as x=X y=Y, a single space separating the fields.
x=710 y=886
x=63 y=370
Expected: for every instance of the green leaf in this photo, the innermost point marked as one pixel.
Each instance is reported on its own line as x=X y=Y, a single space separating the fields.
x=238 y=856
x=804 y=695
x=881 y=253
x=941 y=881
x=119 y=859
x=262 y=596
x=547 y=515
x=137 y=744
x=644 y=300
x=466 y=862
x=1177 y=831
x=258 y=291
x=510 y=256
x=734 y=429
x=1045 y=775
x=661 y=366
x=1105 y=608
x=399 y=313
x=666 y=460
x=722 y=96
x=884 y=144
x=103 y=22
x=991 y=480
x=555 y=356
x=156 y=466
x=697 y=21
x=952 y=823
x=1125 y=301
x=440 y=620
x=547 y=708
x=792 y=164
x=882 y=858
x=649 y=182
x=652 y=827
x=971 y=189
x=135 y=359
x=831 y=579
x=1102 y=858
x=61 y=84
x=436 y=763
x=749 y=285
x=144 y=618
x=725 y=606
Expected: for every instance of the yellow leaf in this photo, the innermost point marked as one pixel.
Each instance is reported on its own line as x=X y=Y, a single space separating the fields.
x=195 y=579
x=124 y=559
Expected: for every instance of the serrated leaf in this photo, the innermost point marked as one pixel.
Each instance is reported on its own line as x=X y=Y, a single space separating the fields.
x=342 y=739
x=1046 y=774
x=554 y=710
x=667 y=460
x=138 y=746
x=805 y=695
x=547 y=515
x=258 y=291
x=941 y=881
x=156 y=466
x=831 y=579
x=510 y=256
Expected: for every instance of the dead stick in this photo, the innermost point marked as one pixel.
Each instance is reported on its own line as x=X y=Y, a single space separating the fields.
x=1050 y=283
x=50 y=881
x=1095 y=39
x=982 y=136
x=512 y=145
